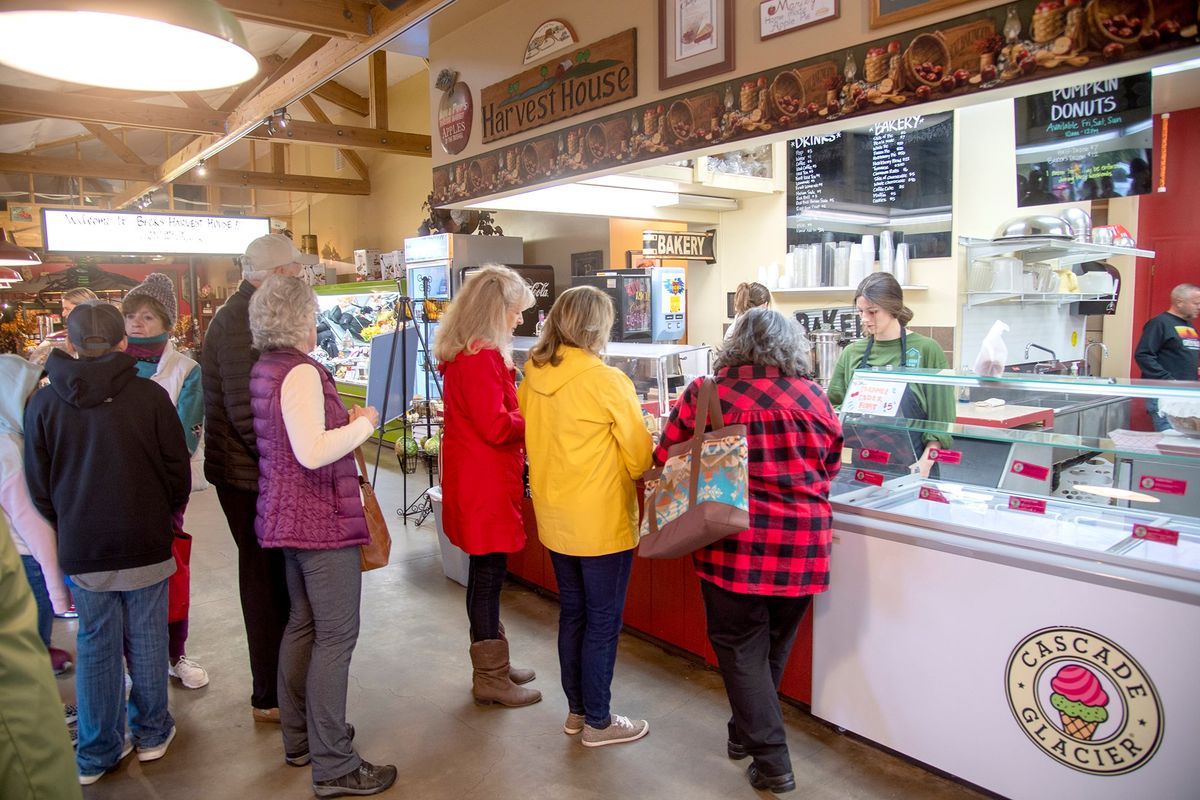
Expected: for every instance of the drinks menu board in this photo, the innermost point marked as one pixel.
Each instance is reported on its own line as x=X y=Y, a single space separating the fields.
x=903 y=165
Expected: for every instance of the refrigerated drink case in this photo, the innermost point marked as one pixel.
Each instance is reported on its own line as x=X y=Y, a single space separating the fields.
x=540 y=278
x=650 y=304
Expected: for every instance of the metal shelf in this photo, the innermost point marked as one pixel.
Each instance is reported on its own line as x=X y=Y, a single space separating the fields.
x=1031 y=298
x=1065 y=252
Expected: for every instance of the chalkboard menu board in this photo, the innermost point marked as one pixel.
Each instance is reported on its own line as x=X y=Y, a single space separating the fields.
x=900 y=165
x=1085 y=142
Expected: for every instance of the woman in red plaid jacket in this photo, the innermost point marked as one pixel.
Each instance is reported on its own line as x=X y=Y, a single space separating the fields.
x=757 y=584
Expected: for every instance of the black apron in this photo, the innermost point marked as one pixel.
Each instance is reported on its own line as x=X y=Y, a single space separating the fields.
x=903 y=449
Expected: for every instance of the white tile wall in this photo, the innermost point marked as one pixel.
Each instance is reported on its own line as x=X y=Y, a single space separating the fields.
x=1052 y=326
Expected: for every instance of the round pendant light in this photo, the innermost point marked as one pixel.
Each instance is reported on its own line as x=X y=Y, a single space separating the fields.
x=143 y=45
x=13 y=255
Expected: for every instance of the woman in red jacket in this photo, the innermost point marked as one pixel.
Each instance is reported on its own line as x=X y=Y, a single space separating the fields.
x=483 y=455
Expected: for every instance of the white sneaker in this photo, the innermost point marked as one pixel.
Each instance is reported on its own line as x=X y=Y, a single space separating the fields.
x=158 y=751
x=88 y=780
x=190 y=674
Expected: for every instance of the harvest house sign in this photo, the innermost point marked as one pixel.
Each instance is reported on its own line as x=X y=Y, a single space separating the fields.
x=576 y=81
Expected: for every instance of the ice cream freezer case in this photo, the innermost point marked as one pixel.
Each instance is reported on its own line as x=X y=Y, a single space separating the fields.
x=1033 y=643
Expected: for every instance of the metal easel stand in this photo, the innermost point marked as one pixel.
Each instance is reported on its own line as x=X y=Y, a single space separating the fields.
x=421 y=506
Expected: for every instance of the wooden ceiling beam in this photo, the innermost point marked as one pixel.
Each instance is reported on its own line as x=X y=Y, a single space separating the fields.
x=114 y=143
x=321 y=66
x=72 y=168
x=344 y=18
x=378 y=89
x=194 y=101
x=284 y=183
x=344 y=97
x=80 y=108
x=114 y=170
x=301 y=132
x=318 y=114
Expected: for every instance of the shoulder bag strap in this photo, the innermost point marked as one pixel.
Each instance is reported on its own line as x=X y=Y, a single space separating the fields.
x=708 y=411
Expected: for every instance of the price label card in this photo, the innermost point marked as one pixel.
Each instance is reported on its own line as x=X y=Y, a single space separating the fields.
x=877 y=398
x=945 y=456
x=1027 y=470
x=933 y=495
x=1154 y=483
x=866 y=476
x=1153 y=534
x=878 y=456
x=1027 y=504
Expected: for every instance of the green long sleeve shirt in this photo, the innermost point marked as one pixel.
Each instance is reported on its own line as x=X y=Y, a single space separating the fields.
x=923 y=353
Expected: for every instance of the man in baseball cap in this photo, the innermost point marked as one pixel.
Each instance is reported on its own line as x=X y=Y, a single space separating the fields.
x=95 y=328
x=268 y=254
x=231 y=463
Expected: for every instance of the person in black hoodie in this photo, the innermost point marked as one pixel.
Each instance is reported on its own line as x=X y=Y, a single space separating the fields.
x=107 y=464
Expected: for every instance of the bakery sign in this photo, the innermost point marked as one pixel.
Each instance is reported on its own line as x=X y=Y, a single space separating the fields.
x=683 y=245
x=575 y=81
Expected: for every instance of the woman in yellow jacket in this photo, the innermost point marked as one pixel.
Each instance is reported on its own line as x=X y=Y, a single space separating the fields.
x=586 y=445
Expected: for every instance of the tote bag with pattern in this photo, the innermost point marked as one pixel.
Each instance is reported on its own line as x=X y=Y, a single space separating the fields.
x=700 y=495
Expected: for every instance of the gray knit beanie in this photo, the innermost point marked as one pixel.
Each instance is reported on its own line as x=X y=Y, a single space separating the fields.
x=158 y=287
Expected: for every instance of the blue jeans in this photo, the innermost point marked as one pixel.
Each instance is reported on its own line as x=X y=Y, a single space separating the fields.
x=45 y=611
x=591 y=595
x=113 y=626
x=1160 y=423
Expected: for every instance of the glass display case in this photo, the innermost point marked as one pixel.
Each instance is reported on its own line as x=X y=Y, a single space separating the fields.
x=1048 y=462
x=349 y=316
x=659 y=371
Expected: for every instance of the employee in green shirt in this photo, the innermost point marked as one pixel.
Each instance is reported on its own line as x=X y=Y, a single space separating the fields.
x=880 y=303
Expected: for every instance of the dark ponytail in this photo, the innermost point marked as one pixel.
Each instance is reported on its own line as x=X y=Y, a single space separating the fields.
x=882 y=289
x=748 y=296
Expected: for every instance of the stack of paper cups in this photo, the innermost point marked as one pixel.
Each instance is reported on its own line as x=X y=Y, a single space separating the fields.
x=886 y=254
x=868 y=248
x=857 y=267
x=814 y=265
x=902 y=263
x=841 y=265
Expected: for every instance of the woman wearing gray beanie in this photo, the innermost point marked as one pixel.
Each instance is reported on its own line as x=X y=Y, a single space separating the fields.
x=151 y=311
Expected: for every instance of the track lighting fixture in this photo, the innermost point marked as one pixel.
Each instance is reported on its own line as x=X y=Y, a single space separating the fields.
x=201 y=168
x=278 y=121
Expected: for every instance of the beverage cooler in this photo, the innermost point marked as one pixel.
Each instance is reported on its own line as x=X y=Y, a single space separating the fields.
x=431 y=262
x=540 y=278
x=650 y=304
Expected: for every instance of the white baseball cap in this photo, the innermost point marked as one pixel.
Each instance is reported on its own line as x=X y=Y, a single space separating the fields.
x=274 y=250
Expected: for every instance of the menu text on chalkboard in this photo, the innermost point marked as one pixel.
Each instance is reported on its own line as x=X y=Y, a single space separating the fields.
x=899 y=165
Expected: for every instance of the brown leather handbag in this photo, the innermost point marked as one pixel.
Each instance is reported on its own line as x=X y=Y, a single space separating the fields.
x=375 y=554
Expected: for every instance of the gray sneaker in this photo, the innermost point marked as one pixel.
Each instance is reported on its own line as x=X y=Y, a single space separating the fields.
x=620 y=729
x=574 y=724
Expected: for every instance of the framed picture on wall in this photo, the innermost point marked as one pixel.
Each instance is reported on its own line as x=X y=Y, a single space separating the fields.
x=587 y=262
x=777 y=17
x=695 y=40
x=885 y=12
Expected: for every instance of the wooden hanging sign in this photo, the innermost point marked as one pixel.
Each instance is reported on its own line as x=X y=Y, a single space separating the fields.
x=579 y=80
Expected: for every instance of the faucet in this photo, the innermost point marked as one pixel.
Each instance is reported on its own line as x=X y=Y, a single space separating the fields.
x=1087 y=351
x=1053 y=357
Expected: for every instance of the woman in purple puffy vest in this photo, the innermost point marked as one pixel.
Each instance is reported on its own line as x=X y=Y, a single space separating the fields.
x=309 y=505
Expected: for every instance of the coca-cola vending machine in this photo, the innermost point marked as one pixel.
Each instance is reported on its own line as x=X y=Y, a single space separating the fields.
x=540 y=278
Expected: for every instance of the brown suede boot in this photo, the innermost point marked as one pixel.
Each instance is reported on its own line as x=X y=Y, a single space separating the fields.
x=491 y=683
x=517 y=675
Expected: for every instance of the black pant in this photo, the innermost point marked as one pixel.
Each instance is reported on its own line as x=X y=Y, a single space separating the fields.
x=485 y=579
x=262 y=583
x=752 y=636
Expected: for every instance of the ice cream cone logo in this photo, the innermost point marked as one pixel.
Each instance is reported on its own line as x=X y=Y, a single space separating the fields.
x=1084 y=701
x=1080 y=700
x=1147 y=482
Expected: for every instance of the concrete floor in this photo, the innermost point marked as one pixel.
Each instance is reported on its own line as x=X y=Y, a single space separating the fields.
x=410 y=702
